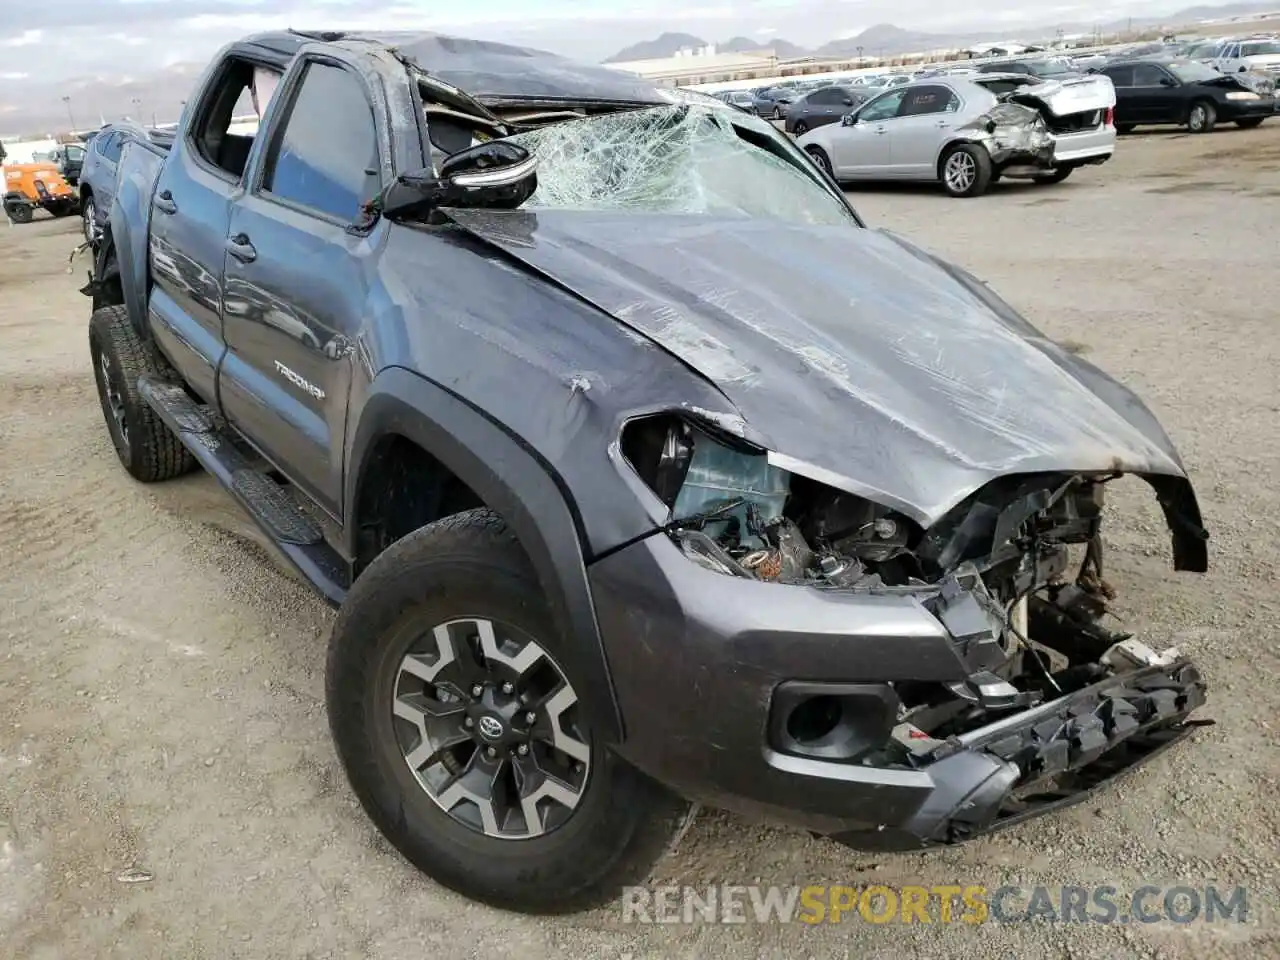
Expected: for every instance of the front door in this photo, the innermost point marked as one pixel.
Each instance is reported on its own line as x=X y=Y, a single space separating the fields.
x=298 y=276
x=862 y=148
x=1159 y=95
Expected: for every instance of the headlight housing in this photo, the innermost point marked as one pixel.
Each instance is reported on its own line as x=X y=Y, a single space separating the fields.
x=733 y=511
x=1243 y=95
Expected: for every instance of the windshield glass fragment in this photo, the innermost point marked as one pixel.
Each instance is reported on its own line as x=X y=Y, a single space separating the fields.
x=681 y=159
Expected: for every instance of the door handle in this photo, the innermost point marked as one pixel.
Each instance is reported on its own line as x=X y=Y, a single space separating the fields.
x=943 y=125
x=164 y=202
x=240 y=248
x=881 y=132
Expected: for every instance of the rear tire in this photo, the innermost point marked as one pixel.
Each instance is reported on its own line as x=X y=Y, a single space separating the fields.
x=1202 y=117
x=800 y=129
x=146 y=447
x=965 y=170
x=1250 y=122
x=20 y=212
x=466 y=575
x=89 y=214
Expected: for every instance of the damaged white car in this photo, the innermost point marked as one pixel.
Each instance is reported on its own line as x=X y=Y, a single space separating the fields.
x=968 y=132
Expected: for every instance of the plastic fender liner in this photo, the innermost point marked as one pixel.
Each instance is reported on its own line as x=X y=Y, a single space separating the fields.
x=511 y=480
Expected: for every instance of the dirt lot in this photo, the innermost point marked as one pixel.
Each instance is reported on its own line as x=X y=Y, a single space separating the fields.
x=161 y=679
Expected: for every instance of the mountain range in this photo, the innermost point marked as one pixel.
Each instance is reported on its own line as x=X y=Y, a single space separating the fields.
x=119 y=81
x=886 y=39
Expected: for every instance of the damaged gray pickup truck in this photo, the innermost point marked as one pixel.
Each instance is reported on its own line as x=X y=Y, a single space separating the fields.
x=641 y=469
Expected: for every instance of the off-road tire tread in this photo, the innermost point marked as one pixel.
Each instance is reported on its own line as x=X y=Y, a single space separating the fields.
x=634 y=827
x=156 y=453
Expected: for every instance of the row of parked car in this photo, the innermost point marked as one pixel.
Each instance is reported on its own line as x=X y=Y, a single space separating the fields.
x=1031 y=118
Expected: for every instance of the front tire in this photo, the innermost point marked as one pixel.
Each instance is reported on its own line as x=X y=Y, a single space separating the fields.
x=443 y=664
x=800 y=129
x=1250 y=122
x=146 y=447
x=819 y=156
x=965 y=170
x=1202 y=117
x=1123 y=129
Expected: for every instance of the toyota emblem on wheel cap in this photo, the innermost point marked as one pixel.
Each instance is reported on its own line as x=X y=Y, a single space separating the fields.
x=490 y=728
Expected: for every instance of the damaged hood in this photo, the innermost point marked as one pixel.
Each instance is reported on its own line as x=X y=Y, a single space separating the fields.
x=862 y=361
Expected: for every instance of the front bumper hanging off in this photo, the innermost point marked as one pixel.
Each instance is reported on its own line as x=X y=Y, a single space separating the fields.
x=1045 y=758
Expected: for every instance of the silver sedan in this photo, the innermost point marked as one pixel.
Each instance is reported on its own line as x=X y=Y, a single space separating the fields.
x=967 y=132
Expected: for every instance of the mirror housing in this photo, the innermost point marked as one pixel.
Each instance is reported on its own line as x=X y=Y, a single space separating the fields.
x=848 y=101
x=849 y=119
x=497 y=174
x=1168 y=82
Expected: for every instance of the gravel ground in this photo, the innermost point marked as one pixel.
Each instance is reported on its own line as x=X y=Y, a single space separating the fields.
x=162 y=678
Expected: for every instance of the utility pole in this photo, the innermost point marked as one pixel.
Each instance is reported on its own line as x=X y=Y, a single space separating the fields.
x=70 y=116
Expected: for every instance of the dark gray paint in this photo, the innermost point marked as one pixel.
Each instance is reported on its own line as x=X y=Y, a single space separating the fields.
x=515 y=347
x=845 y=349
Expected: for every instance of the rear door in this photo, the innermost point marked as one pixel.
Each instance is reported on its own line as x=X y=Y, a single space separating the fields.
x=104 y=181
x=925 y=119
x=825 y=106
x=299 y=273
x=189 y=215
x=1129 y=104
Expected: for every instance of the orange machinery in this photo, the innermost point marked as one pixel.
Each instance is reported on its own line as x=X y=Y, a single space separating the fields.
x=28 y=186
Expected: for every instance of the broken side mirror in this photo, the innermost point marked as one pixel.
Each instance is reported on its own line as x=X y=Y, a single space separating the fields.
x=497 y=174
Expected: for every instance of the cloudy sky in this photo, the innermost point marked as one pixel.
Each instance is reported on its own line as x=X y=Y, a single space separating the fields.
x=97 y=51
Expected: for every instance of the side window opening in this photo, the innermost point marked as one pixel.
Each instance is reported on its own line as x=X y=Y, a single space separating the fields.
x=1147 y=75
x=921 y=101
x=111 y=147
x=884 y=107
x=1120 y=76
x=324 y=154
x=452 y=124
x=227 y=123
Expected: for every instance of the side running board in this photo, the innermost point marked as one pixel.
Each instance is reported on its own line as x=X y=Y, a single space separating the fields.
x=295 y=533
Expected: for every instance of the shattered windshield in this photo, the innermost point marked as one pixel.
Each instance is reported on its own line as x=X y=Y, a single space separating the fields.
x=678 y=159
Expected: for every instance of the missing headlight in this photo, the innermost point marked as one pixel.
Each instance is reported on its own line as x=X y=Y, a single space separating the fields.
x=735 y=512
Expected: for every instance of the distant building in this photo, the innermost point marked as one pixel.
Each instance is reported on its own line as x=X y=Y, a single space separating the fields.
x=998 y=49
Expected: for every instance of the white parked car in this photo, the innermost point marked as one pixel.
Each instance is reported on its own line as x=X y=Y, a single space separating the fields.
x=967 y=132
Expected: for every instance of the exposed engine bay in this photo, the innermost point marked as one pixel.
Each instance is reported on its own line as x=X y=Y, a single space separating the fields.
x=1014 y=572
